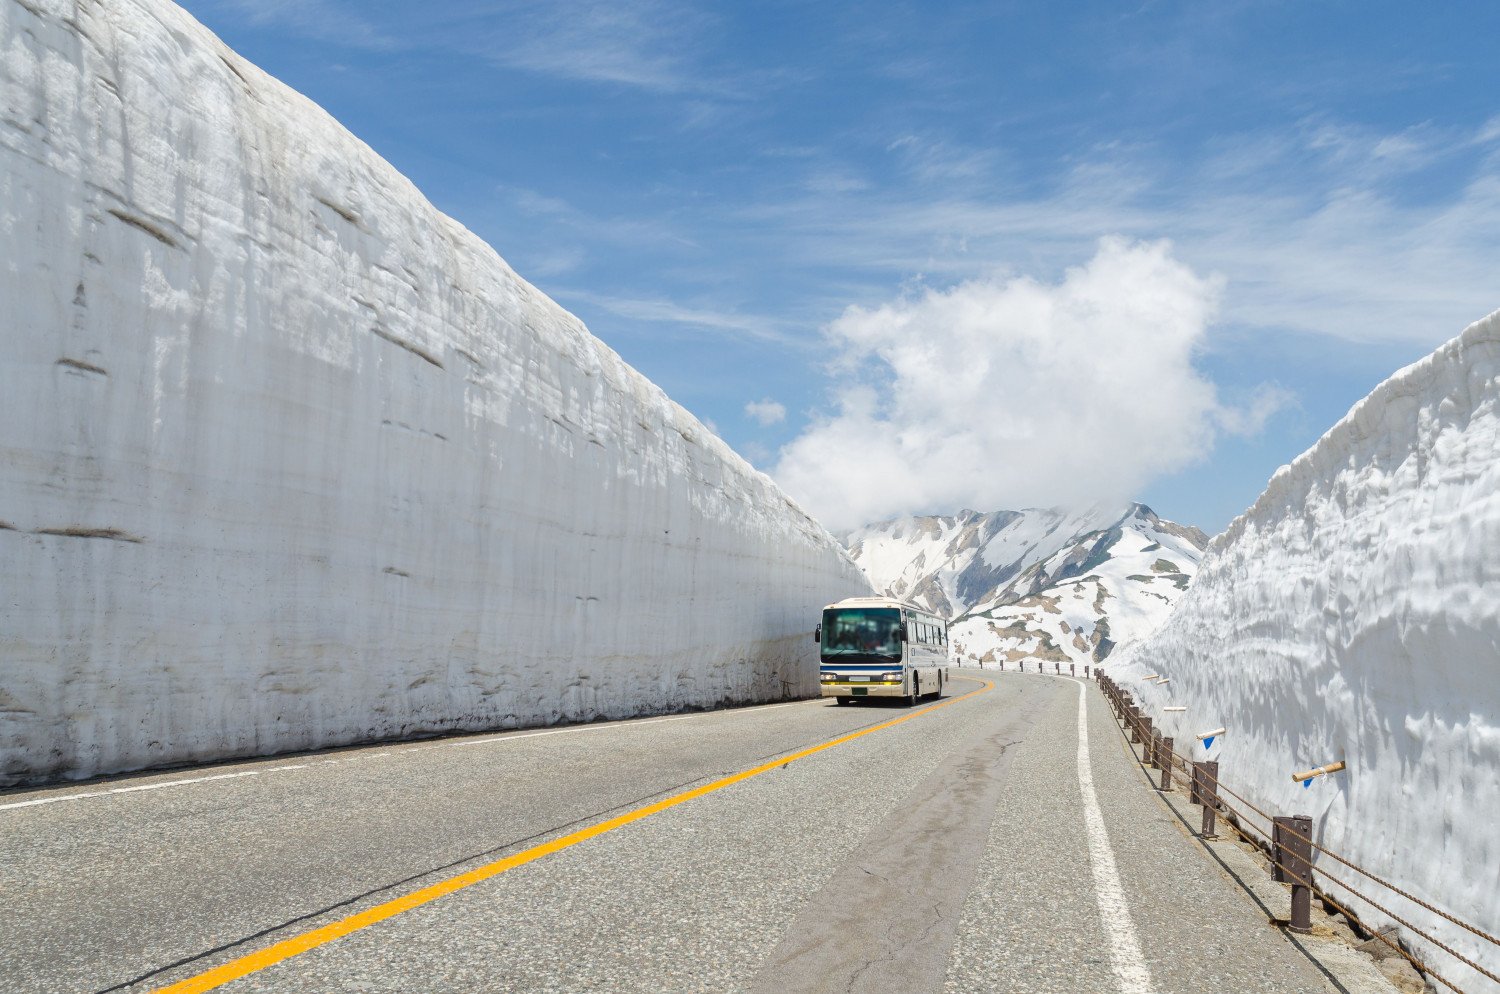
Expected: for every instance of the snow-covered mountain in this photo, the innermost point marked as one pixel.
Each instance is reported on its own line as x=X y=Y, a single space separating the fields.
x=1041 y=583
x=1353 y=613
x=291 y=459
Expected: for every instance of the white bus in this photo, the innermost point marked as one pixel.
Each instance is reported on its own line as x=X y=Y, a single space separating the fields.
x=880 y=647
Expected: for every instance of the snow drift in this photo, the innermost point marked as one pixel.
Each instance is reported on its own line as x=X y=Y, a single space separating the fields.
x=1354 y=613
x=290 y=459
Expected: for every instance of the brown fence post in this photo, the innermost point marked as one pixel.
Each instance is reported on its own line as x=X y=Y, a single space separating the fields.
x=1145 y=730
x=1291 y=836
x=1153 y=749
x=1166 y=763
x=1206 y=779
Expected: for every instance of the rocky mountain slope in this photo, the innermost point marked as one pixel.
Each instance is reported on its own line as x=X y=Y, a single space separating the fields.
x=1050 y=584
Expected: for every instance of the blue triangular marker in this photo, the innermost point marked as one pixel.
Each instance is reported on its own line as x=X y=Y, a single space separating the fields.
x=1208 y=743
x=1307 y=783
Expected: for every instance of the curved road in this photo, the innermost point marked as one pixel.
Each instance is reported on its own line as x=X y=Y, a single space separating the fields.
x=966 y=845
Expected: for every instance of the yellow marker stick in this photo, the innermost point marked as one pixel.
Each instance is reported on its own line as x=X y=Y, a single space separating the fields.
x=1315 y=772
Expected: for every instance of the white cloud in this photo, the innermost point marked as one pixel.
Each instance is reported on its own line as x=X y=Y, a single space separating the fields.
x=596 y=41
x=668 y=312
x=1006 y=392
x=1250 y=420
x=767 y=411
x=755 y=454
x=1322 y=229
x=325 y=20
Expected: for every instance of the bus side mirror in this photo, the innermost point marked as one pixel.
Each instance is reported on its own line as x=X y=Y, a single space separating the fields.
x=903 y=633
x=818 y=634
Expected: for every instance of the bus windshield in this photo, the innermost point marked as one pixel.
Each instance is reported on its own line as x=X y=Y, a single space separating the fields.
x=872 y=634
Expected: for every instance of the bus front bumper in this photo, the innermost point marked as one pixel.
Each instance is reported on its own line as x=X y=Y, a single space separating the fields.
x=863 y=689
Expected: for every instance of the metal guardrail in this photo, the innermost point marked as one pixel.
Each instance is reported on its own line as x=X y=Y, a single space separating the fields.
x=1289 y=842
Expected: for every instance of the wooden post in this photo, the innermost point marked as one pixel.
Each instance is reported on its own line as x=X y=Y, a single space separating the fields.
x=1166 y=763
x=1206 y=782
x=1291 y=837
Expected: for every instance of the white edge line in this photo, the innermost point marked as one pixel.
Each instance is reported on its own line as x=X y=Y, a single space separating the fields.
x=130 y=790
x=627 y=723
x=179 y=783
x=473 y=742
x=1114 y=911
x=516 y=737
x=46 y=800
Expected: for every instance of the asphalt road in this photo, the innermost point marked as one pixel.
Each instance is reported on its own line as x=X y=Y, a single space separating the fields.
x=946 y=848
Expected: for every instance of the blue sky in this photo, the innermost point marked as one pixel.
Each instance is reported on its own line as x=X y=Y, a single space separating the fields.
x=829 y=208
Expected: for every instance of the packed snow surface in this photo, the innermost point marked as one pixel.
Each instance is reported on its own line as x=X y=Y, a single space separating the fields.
x=1048 y=585
x=1354 y=613
x=291 y=459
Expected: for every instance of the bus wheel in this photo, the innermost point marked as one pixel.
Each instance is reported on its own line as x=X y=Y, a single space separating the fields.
x=940 y=683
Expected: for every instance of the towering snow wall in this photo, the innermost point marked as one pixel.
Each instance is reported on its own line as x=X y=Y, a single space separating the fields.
x=1354 y=613
x=289 y=459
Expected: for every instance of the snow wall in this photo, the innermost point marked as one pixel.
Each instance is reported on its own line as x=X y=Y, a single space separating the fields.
x=290 y=459
x=1354 y=613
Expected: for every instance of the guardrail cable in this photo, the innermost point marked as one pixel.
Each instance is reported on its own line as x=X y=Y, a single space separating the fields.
x=1405 y=954
x=1390 y=886
x=1238 y=822
x=1446 y=916
x=1236 y=817
x=1374 y=877
x=1403 y=922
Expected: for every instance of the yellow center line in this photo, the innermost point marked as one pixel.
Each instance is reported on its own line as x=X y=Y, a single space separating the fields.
x=298 y=944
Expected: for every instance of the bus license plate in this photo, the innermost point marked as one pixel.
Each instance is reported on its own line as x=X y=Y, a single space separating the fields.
x=860 y=691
